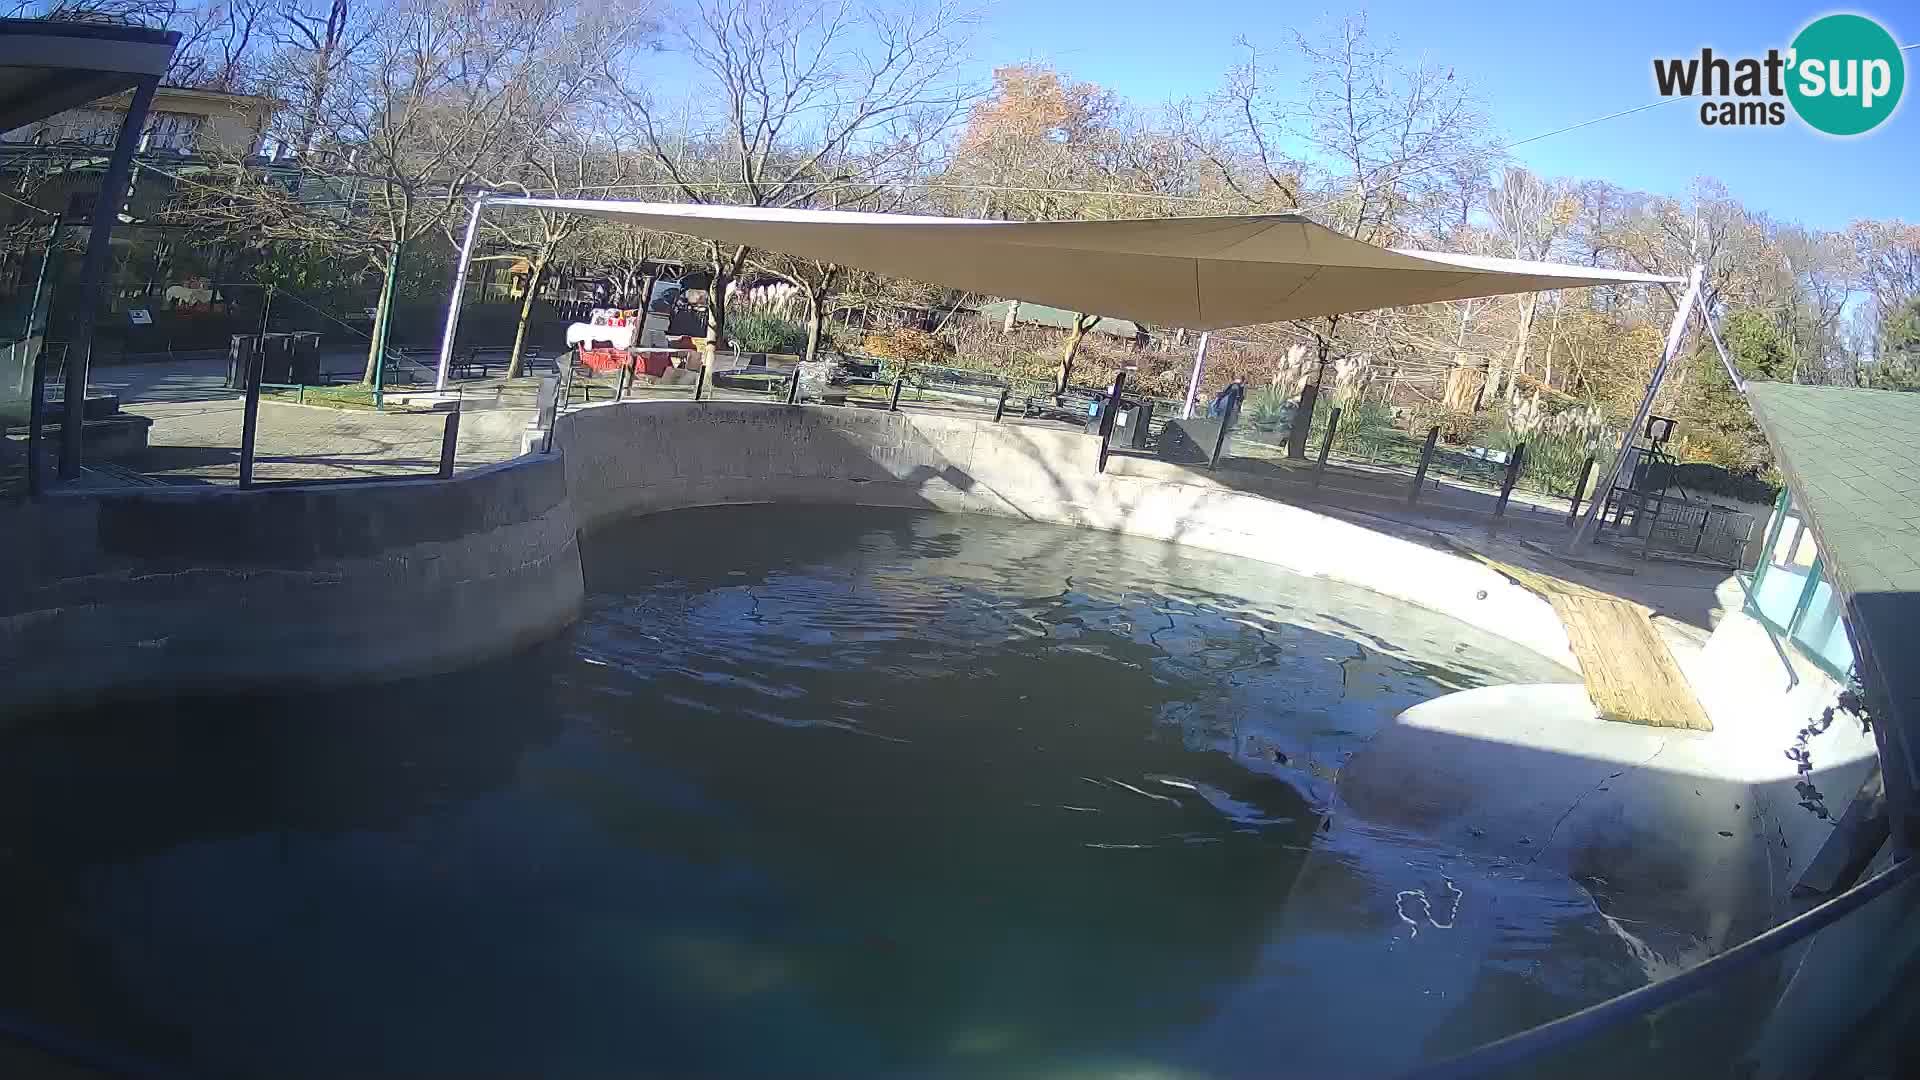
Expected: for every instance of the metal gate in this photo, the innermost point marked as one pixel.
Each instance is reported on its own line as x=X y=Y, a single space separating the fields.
x=1671 y=526
x=1708 y=532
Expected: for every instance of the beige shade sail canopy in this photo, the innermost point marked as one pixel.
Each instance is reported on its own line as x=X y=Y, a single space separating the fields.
x=1199 y=273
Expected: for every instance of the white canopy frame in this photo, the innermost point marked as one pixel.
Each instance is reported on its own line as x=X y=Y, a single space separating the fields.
x=1198 y=273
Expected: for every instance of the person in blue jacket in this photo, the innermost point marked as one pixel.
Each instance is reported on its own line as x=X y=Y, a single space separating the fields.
x=1227 y=401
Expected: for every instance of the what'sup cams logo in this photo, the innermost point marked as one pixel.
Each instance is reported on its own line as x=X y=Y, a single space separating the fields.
x=1842 y=75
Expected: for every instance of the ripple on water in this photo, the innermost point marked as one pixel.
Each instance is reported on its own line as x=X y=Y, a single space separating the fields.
x=881 y=792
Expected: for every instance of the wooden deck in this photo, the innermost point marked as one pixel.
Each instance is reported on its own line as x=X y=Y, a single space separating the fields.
x=1631 y=675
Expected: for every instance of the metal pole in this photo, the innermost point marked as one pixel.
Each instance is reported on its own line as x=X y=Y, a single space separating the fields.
x=449 y=442
x=37 y=384
x=106 y=213
x=36 y=419
x=626 y=378
x=1514 y=459
x=1220 y=440
x=1426 y=457
x=459 y=291
x=1107 y=416
x=250 y=416
x=893 y=403
x=793 y=388
x=699 y=382
x=381 y=332
x=1611 y=476
x=1000 y=409
x=1193 y=381
x=1326 y=444
x=39 y=290
x=1586 y=471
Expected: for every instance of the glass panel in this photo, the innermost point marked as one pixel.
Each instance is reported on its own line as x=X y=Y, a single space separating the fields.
x=1793 y=544
x=1783 y=577
x=1821 y=632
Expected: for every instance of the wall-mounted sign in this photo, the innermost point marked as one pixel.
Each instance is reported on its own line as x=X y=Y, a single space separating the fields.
x=140 y=316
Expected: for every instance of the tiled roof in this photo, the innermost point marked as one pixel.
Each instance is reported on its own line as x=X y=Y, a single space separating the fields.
x=1852 y=460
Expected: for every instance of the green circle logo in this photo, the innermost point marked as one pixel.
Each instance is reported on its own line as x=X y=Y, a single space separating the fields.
x=1845 y=74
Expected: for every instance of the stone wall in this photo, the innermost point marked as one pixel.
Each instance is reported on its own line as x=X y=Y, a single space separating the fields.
x=144 y=591
x=643 y=457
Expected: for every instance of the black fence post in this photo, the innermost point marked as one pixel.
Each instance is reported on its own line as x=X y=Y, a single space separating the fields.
x=893 y=402
x=1303 y=419
x=1220 y=440
x=1426 y=458
x=699 y=382
x=1107 y=416
x=793 y=388
x=250 y=417
x=1579 y=488
x=1000 y=410
x=1514 y=460
x=1326 y=444
x=37 y=416
x=449 y=441
x=625 y=380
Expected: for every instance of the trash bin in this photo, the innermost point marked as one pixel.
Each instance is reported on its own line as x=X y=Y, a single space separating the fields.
x=1130 y=426
x=240 y=359
x=306 y=357
x=1129 y=423
x=276 y=364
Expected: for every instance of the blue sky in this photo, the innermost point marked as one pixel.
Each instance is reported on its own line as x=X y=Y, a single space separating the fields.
x=1536 y=67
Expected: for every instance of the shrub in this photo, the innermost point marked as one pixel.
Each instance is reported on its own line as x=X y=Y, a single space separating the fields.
x=760 y=331
x=1267 y=409
x=1366 y=427
x=908 y=345
x=1554 y=459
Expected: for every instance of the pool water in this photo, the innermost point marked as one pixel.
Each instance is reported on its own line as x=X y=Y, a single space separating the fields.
x=808 y=792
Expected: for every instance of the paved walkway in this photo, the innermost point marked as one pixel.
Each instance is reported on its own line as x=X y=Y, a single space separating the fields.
x=196 y=431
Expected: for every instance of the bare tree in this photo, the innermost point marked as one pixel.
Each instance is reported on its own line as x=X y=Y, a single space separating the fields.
x=796 y=98
x=564 y=162
x=1528 y=216
x=435 y=96
x=316 y=41
x=1369 y=149
x=221 y=46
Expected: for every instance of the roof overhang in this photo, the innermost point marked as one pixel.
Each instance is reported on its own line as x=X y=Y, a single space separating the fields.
x=1851 y=458
x=1200 y=273
x=50 y=67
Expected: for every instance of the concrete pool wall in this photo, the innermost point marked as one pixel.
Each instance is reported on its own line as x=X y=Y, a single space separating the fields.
x=645 y=457
x=149 y=591
x=137 y=591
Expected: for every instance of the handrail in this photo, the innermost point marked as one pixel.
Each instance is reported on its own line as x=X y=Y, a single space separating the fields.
x=1554 y=1034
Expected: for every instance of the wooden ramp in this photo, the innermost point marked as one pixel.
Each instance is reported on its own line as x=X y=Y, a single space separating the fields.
x=1631 y=675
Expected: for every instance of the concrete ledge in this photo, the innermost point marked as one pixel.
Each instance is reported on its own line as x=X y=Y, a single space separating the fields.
x=168 y=590
x=152 y=591
x=641 y=457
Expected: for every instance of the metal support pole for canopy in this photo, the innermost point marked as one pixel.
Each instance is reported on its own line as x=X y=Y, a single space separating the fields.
x=1193 y=381
x=459 y=290
x=1611 y=475
x=93 y=271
